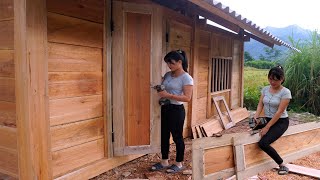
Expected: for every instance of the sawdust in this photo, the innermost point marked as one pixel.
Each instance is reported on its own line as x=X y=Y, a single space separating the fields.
x=311 y=161
x=139 y=168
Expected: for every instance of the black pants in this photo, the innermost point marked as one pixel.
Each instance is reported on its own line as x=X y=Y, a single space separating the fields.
x=172 y=119
x=274 y=133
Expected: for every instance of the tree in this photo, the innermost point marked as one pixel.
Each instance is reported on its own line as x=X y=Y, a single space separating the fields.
x=272 y=53
x=262 y=58
x=247 y=57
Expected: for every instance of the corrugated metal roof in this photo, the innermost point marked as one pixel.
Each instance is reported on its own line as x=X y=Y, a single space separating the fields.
x=242 y=22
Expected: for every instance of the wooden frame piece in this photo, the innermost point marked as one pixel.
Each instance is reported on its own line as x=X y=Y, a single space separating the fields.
x=215 y=101
x=239 y=141
x=198 y=149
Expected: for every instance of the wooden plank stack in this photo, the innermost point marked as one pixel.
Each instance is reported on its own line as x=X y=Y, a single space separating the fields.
x=214 y=125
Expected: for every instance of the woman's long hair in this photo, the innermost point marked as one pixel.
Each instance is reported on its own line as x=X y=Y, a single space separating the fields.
x=176 y=56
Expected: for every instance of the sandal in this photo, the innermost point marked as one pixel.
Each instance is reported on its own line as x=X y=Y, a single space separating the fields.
x=283 y=170
x=174 y=169
x=157 y=167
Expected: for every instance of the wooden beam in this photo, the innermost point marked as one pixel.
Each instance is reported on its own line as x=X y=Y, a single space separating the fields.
x=218 y=20
x=229 y=116
x=31 y=75
x=209 y=8
x=107 y=79
x=259 y=39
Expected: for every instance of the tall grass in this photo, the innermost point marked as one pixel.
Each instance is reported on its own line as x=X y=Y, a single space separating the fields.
x=303 y=75
x=254 y=81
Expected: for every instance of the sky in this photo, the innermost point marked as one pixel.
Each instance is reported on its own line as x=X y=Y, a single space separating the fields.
x=278 y=13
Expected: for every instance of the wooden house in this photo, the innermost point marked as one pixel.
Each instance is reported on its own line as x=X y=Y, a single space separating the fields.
x=75 y=78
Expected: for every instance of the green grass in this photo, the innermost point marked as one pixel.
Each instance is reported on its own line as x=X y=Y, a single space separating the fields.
x=254 y=81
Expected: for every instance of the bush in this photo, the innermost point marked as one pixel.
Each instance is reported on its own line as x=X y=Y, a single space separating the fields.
x=259 y=64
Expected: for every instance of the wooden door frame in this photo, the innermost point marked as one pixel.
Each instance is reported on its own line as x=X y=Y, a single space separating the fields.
x=118 y=76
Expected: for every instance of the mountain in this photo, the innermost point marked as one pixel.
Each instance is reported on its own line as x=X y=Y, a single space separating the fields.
x=256 y=48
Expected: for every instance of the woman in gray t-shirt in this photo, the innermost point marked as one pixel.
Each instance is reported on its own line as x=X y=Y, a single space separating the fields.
x=274 y=100
x=178 y=89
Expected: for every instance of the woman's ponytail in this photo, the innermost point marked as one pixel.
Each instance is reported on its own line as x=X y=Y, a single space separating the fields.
x=176 y=56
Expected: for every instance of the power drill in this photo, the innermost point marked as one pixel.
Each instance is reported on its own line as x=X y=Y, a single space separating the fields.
x=159 y=88
x=255 y=125
x=162 y=101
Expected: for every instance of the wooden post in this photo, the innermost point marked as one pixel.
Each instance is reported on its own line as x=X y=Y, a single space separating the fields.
x=31 y=88
x=107 y=79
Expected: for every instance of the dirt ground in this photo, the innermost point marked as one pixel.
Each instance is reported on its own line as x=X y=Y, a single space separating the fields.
x=139 y=168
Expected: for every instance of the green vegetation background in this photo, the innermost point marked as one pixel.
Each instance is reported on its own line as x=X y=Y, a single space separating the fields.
x=254 y=81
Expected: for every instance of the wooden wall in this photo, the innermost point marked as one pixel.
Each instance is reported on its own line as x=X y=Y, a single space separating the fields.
x=237 y=75
x=210 y=43
x=75 y=57
x=8 y=138
x=203 y=46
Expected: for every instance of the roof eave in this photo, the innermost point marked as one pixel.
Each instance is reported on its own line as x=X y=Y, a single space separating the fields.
x=263 y=36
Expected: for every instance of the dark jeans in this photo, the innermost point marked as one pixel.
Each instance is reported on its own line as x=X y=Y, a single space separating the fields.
x=172 y=119
x=274 y=133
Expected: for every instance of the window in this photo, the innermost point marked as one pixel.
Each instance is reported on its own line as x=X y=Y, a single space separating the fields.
x=221 y=74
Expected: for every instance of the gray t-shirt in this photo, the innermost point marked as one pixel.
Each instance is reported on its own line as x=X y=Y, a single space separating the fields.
x=174 y=85
x=271 y=101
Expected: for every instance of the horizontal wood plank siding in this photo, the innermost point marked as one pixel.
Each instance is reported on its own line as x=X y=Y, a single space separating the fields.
x=75 y=89
x=64 y=85
x=69 y=30
x=68 y=58
x=8 y=151
x=6 y=31
x=7 y=114
x=8 y=137
x=75 y=109
x=88 y=10
x=76 y=133
x=66 y=160
x=9 y=162
x=6 y=63
x=7 y=89
x=75 y=46
x=8 y=134
x=6 y=10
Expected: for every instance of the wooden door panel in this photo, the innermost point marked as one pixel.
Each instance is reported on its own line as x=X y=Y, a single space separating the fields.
x=138 y=35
